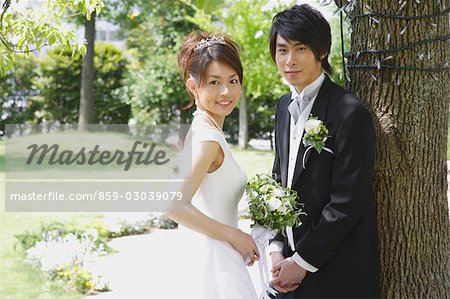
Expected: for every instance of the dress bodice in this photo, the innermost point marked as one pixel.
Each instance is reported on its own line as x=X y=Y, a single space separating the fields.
x=220 y=191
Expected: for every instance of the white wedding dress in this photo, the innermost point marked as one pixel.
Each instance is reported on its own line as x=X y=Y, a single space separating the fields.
x=222 y=271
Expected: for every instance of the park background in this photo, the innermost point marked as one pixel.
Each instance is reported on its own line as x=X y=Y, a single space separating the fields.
x=130 y=76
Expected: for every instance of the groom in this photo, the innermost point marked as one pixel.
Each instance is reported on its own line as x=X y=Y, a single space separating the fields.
x=336 y=251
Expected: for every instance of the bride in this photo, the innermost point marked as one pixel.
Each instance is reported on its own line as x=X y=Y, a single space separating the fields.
x=213 y=75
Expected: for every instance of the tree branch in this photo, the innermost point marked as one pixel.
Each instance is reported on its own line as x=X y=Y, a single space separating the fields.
x=5 y=7
x=4 y=41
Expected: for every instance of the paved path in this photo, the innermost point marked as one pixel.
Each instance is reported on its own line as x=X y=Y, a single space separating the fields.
x=144 y=265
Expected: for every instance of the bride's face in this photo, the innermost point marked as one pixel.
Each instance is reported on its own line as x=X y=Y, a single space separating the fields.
x=220 y=92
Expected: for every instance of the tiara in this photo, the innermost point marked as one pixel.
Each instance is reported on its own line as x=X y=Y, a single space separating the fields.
x=209 y=42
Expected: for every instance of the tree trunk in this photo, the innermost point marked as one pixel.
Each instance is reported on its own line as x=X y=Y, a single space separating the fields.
x=86 y=113
x=243 y=122
x=410 y=110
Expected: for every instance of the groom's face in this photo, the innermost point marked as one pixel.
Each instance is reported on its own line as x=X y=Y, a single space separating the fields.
x=296 y=62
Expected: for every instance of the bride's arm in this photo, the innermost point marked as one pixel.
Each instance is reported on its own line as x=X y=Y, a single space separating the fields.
x=186 y=214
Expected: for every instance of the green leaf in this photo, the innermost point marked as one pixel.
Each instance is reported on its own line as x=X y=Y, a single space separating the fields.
x=51 y=38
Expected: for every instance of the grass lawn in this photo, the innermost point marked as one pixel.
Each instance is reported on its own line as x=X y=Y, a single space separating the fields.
x=254 y=161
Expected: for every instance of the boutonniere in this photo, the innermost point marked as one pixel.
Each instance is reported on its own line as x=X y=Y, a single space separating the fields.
x=316 y=133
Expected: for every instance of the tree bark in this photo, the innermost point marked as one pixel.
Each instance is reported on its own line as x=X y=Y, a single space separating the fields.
x=243 y=122
x=86 y=112
x=410 y=111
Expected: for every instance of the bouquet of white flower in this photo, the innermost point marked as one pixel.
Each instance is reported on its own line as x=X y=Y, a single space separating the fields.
x=272 y=208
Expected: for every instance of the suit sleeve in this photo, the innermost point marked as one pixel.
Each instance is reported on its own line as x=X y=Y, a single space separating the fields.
x=350 y=190
x=276 y=170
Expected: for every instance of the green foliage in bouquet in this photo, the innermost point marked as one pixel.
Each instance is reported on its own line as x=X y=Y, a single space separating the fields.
x=271 y=205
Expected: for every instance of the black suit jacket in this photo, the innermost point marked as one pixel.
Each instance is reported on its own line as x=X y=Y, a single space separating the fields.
x=339 y=233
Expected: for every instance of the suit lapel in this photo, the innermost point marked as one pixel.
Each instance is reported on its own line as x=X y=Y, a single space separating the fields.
x=319 y=110
x=283 y=131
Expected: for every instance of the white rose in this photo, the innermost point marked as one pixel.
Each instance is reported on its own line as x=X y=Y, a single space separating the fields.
x=312 y=126
x=274 y=203
x=278 y=192
x=264 y=188
x=282 y=209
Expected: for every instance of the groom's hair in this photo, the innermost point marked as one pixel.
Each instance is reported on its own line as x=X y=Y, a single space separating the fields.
x=304 y=24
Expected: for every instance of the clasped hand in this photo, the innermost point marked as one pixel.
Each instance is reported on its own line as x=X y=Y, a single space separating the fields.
x=287 y=274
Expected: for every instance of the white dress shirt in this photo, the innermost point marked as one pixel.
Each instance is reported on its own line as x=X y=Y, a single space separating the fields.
x=295 y=135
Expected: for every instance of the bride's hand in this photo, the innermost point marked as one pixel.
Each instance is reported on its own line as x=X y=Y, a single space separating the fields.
x=276 y=258
x=245 y=245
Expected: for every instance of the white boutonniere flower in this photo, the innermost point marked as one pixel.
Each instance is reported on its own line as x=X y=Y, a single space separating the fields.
x=314 y=126
x=316 y=133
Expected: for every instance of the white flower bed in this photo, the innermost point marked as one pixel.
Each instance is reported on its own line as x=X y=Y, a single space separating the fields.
x=57 y=251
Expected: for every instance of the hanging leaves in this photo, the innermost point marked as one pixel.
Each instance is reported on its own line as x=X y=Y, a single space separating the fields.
x=25 y=30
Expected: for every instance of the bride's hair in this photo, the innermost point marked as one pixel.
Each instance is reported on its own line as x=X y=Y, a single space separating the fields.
x=199 y=49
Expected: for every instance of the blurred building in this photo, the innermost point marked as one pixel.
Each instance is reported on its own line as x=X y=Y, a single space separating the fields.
x=105 y=31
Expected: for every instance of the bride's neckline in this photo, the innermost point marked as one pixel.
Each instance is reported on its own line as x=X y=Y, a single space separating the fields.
x=208 y=117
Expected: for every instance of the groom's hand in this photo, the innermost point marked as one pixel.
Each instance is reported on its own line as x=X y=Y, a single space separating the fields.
x=277 y=257
x=289 y=277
